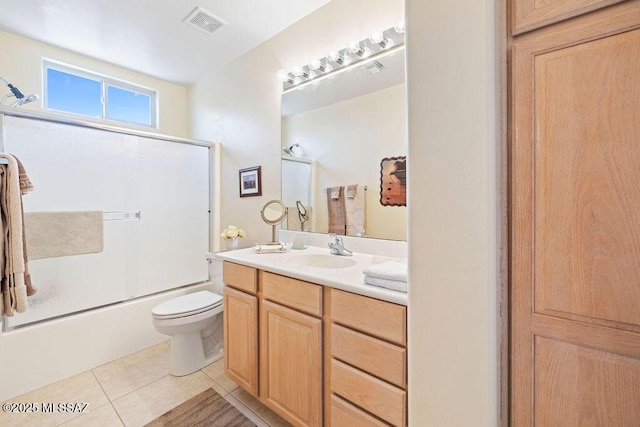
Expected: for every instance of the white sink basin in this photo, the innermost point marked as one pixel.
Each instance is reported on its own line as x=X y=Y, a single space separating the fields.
x=322 y=261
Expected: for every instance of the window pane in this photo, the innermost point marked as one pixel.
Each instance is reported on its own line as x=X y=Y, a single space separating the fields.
x=128 y=106
x=74 y=94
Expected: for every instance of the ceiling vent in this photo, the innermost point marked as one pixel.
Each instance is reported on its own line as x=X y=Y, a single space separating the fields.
x=373 y=67
x=204 y=21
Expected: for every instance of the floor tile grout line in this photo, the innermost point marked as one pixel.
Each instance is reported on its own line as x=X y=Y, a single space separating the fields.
x=110 y=402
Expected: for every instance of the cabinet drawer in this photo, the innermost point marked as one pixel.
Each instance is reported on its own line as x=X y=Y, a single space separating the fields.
x=240 y=277
x=296 y=294
x=379 y=318
x=344 y=414
x=379 y=358
x=371 y=394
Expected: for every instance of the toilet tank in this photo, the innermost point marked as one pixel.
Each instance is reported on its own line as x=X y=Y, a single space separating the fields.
x=215 y=273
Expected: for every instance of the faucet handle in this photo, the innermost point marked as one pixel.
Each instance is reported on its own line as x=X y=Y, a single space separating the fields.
x=336 y=240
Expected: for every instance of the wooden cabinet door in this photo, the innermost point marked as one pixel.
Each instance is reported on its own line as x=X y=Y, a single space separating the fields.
x=241 y=339
x=291 y=364
x=575 y=232
x=531 y=14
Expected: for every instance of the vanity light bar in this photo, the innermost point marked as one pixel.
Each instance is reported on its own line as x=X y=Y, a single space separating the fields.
x=380 y=43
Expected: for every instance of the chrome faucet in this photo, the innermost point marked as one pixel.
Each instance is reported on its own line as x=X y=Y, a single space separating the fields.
x=337 y=246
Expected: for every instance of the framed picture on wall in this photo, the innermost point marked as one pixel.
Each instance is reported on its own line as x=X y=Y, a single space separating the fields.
x=393 y=181
x=250 y=182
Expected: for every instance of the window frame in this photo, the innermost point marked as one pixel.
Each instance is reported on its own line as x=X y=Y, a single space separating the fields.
x=105 y=81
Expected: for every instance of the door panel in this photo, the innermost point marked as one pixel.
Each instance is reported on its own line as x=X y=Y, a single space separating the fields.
x=586 y=178
x=531 y=14
x=241 y=338
x=561 y=398
x=575 y=222
x=291 y=365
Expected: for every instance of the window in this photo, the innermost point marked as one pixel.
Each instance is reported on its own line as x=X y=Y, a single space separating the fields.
x=77 y=91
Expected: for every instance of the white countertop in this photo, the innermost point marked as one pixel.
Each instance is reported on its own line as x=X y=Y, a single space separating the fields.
x=348 y=279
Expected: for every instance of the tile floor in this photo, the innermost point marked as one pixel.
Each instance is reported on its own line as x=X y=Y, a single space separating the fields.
x=132 y=391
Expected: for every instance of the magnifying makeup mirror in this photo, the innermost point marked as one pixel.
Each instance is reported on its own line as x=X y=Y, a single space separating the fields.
x=273 y=213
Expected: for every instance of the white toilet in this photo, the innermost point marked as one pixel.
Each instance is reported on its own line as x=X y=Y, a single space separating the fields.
x=194 y=322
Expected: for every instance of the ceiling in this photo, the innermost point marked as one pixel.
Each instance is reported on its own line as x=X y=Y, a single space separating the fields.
x=149 y=36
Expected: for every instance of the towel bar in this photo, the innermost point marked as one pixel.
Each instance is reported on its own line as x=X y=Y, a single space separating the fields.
x=325 y=188
x=120 y=215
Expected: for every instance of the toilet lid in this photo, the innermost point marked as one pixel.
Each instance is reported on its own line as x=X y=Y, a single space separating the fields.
x=195 y=302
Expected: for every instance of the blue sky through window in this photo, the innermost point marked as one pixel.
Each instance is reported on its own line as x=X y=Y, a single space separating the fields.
x=128 y=106
x=84 y=92
x=75 y=94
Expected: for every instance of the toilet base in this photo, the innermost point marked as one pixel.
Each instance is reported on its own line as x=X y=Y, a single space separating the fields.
x=188 y=354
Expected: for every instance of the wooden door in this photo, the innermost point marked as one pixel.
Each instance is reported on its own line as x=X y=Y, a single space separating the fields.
x=575 y=231
x=241 y=339
x=291 y=364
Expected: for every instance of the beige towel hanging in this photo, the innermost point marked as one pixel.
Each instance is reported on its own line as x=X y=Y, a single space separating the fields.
x=336 y=210
x=14 y=288
x=355 y=207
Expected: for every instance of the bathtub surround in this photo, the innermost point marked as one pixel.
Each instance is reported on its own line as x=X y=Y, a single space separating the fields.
x=56 y=234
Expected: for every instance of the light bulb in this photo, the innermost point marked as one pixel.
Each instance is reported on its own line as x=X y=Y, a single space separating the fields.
x=376 y=37
x=399 y=27
x=312 y=75
x=297 y=80
x=298 y=72
x=387 y=43
x=354 y=47
x=366 y=52
x=283 y=75
x=334 y=56
x=328 y=68
x=316 y=65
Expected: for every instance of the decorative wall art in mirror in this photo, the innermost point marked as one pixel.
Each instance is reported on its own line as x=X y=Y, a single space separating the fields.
x=345 y=125
x=250 y=181
x=393 y=181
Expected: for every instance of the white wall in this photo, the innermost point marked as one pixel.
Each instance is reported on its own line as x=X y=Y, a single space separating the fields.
x=21 y=64
x=452 y=214
x=239 y=106
x=348 y=150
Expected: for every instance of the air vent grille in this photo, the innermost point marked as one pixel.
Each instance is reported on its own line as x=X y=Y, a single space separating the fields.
x=373 y=67
x=204 y=21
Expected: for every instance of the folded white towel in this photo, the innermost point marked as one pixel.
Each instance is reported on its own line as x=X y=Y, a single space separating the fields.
x=389 y=270
x=270 y=249
x=394 y=285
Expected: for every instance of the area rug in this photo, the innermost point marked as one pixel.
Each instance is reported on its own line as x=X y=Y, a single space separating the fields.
x=206 y=409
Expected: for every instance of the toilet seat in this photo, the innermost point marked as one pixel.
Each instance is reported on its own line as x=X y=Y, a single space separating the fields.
x=187 y=305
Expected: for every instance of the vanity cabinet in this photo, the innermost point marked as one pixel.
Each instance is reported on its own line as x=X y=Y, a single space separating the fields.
x=313 y=354
x=367 y=367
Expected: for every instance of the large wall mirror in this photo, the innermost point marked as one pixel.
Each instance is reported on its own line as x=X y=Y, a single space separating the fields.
x=340 y=131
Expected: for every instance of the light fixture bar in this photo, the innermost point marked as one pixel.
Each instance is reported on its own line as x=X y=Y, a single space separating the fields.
x=379 y=44
x=344 y=69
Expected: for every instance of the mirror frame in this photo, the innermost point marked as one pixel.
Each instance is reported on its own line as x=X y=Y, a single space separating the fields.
x=273 y=222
